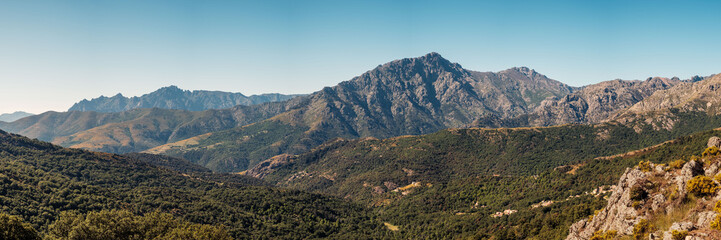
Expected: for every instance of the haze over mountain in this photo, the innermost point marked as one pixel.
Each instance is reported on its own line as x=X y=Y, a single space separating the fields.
x=173 y=97
x=135 y=130
x=9 y=117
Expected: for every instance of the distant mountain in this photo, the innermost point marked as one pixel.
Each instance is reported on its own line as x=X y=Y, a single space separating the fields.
x=135 y=130
x=10 y=117
x=408 y=96
x=173 y=97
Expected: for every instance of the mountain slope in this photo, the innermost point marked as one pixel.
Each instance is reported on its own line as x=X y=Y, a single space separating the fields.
x=137 y=129
x=173 y=97
x=701 y=95
x=38 y=181
x=591 y=104
x=408 y=96
x=10 y=117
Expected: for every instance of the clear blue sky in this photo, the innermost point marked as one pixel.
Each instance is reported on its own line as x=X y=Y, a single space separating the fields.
x=55 y=53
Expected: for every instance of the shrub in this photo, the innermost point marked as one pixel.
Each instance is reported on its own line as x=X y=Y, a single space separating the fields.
x=642 y=229
x=701 y=186
x=601 y=235
x=717 y=207
x=679 y=235
x=717 y=177
x=678 y=164
x=712 y=151
x=594 y=215
x=716 y=223
x=644 y=166
x=671 y=192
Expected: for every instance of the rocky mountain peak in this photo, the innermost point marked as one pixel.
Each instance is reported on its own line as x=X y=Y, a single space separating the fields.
x=530 y=73
x=429 y=63
x=172 y=89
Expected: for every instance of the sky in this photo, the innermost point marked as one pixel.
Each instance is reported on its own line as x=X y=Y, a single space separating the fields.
x=56 y=53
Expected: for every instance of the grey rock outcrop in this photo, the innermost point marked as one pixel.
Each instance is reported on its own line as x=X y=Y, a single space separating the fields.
x=596 y=103
x=714 y=142
x=618 y=215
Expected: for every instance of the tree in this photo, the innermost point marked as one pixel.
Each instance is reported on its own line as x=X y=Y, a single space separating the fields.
x=120 y=224
x=13 y=228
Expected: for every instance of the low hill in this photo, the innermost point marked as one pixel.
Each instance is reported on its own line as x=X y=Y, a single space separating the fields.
x=39 y=181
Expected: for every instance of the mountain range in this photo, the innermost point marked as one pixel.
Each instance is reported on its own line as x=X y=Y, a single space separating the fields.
x=415 y=148
x=172 y=97
x=409 y=96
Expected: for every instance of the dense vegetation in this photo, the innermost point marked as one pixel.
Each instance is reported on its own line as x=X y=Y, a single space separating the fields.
x=39 y=181
x=447 y=184
x=450 y=183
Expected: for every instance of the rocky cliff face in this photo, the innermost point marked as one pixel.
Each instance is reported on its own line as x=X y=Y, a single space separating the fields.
x=173 y=97
x=655 y=201
x=596 y=103
x=702 y=96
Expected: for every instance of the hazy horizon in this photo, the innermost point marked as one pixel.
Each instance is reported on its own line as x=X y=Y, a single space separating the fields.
x=57 y=53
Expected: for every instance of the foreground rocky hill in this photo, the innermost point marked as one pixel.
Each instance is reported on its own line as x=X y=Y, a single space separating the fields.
x=677 y=200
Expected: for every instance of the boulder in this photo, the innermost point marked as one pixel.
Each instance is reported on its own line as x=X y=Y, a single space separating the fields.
x=714 y=142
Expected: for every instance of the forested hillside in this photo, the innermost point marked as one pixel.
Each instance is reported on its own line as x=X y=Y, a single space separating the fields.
x=40 y=181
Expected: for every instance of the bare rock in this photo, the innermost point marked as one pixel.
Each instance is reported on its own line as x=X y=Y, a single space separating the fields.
x=714 y=142
x=689 y=170
x=618 y=214
x=268 y=166
x=682 y=226
x=390 y=185
x=657 y=201
x=705 y=218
